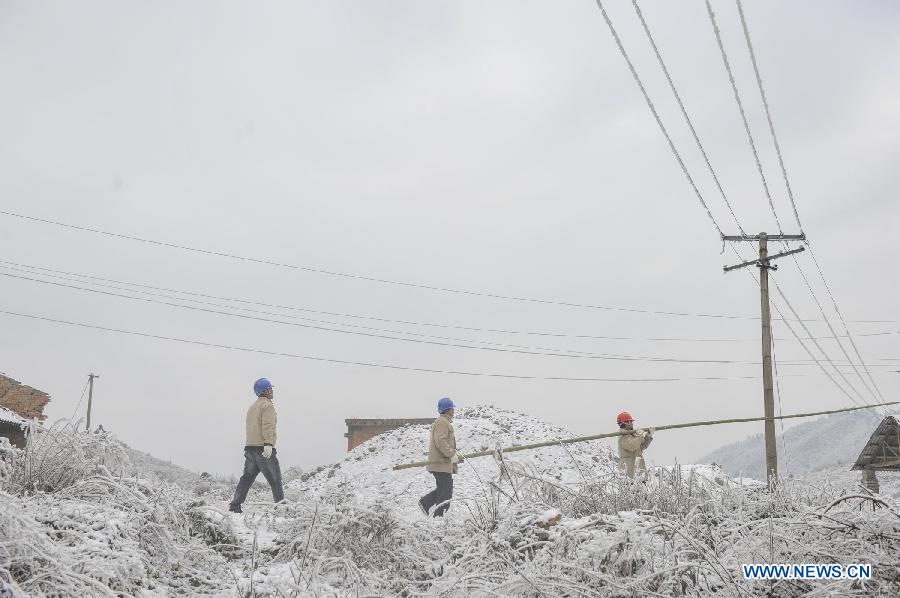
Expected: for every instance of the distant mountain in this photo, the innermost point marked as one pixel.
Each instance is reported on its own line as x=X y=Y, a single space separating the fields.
x=831 y=441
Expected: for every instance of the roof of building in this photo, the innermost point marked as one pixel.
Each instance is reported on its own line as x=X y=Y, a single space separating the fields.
x=882 y=452
x=388 y=422
x=11 y=417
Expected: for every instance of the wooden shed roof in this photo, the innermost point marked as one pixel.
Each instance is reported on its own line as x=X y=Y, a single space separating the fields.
x=882 y=452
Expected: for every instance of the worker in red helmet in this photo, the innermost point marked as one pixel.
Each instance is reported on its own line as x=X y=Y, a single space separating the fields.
x=632 y=444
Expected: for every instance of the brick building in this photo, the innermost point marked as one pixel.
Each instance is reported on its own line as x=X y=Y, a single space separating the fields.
x=360 y=430
x=18 y=405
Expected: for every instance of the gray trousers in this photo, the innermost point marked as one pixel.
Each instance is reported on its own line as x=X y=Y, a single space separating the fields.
x=254 y=464
x=443 y=492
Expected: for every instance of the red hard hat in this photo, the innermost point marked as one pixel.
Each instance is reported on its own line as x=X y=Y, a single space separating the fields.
x=624 y=417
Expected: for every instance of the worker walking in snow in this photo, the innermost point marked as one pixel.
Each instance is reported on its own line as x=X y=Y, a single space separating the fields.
x=259 y=452
x=632 y=445
x=442 y=460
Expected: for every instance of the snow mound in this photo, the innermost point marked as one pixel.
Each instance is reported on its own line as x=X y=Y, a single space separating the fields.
x=366 y=476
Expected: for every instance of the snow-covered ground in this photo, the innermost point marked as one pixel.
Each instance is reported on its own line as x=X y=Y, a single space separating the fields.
x=78 y=518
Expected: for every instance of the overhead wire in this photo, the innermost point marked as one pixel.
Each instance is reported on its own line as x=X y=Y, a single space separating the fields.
x=765 y=101
x=737 y=97
x=394 y=282
x=759 y=167
x=82 y=278
x=783 y=443
x=790 y=328
x=472 y=344
x=687 y=118
x=75 y=411
x=361 y=277
x=44 y=270
x=790 y=193
x=831 y=328
x=827 y=357
x=535 y=351
x=518 y=349
x=363 y=363
x=685 y=114
x=690 y=179
x=656 y=116
x=373 y=279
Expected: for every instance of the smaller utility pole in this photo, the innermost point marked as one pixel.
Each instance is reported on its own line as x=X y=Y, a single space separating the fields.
x=764 y=264
x=90 y=397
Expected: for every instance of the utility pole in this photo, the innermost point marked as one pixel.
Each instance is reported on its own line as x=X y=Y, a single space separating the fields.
x=764 y=263
x=90 y=397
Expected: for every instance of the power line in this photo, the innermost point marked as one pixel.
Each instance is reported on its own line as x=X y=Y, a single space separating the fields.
x=79 y=400
x=263 y=312
x=752 y=146
x=656 y=116
x=520 y=349
x=54 y=273
x=533 y=351
x=367 y=278
x=415 y=285
x=737 y=97
x=818 y=346
x=790 y=193
x=762 y=92
x=784 y=446
x=750 y=138
x=843 y=322
x=687 y=118
x=794 y=332
x=524 y=351
x=759 y=167
x=830 y=328
x=364 y=363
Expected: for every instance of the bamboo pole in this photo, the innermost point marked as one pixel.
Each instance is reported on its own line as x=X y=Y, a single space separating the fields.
x=714 y=422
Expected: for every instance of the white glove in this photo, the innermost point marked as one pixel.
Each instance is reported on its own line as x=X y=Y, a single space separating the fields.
x=267 y=451
x=643 y=433
x=650 y=431
x=455 y=458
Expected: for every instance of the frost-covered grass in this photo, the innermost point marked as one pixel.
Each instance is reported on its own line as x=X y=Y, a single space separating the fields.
x=560 y=522
x=71 y=527
x=678 y=534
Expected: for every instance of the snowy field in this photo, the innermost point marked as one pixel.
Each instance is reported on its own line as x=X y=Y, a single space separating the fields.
x=79 y=518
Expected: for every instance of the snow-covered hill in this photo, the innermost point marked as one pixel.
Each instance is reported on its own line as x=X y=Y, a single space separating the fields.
x=827 y=442
x=366 y=473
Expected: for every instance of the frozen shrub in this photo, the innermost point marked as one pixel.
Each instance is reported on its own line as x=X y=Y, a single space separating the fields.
x=56 y=458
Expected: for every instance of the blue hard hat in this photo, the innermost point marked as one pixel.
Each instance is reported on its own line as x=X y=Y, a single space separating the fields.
x=261 y=386
x=445 y=404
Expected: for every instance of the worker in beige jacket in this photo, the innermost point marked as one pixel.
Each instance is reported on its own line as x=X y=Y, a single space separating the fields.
x=632 y=445
x=260 y=455
x=442 y=460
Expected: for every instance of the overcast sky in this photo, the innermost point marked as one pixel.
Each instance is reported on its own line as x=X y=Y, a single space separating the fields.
x=498 y=147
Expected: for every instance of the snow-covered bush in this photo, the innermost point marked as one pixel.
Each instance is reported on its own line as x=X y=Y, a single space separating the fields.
x=58 y=457
x=106 y=536
x=8 y=454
